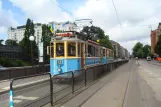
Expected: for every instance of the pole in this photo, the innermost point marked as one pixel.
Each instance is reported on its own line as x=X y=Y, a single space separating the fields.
x=31 y=54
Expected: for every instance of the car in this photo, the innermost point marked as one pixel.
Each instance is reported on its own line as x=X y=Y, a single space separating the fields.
x=2 y=68
x=148 y=58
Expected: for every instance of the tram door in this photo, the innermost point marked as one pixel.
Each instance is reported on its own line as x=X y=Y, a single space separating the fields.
x=82 y=55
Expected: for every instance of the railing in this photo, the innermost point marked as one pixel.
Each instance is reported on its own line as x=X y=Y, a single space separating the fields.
x=23 y=71
x=38 y=90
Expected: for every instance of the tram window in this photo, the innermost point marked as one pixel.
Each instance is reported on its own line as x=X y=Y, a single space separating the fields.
x=104 y=53
x=71 y=49
x=51 y=50
x=91 y=51
x=78 y=49
x=59 y=49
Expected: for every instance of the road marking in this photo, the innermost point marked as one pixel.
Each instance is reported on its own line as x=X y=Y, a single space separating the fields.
x=20 y=98
x=7 y=88
x=17 y=101
x=159 y=78
x=151 y=73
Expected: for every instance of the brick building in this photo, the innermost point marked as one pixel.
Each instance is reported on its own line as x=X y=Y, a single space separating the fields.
x=154 y=37
x=153 y=40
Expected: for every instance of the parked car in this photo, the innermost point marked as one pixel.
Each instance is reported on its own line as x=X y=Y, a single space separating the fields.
x=2 y=68
x=148 y=58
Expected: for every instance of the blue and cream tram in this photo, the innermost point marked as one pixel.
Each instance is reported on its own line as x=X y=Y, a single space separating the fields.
x=69 y=53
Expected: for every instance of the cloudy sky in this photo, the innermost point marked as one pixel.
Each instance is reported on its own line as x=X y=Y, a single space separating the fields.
x=135 y=16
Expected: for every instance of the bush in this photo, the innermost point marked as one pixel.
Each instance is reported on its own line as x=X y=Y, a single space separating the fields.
x=12 y=63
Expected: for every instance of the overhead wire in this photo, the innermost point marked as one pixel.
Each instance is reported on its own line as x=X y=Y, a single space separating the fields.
x=117 y=15
x=60 y=7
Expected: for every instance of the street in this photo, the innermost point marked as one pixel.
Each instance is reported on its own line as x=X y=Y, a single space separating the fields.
x=135 y=84
x=131 y=85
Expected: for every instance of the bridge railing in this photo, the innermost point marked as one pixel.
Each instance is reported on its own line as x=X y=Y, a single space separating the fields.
x=40 y=89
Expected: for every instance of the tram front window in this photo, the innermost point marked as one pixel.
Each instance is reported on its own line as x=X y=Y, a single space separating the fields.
x=59 y=49
x=71 y=49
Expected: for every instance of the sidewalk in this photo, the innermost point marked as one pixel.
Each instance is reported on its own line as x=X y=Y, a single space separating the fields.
x=108 y=91
x=154 y=62
x=4 y=86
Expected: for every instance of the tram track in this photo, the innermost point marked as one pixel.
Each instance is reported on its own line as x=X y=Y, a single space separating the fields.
x=127 y=86
x=109 y=81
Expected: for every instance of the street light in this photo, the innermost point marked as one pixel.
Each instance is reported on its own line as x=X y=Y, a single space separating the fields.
x=31 y=38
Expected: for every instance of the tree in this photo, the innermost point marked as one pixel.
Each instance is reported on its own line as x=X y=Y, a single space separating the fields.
x=137 y=50
x=146 y=51
x=92 y=33
x=1 y=41
x=46 y=38
x=26 y=43
x=158 y=46
x=96 y=33
x=11 y=42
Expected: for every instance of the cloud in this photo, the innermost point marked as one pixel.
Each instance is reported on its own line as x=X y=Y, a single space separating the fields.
x=42 y=10
x=135 y=17
x=6 y=20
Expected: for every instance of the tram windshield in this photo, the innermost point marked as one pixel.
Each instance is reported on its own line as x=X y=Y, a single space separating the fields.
x=59 y=49
x=71 y=49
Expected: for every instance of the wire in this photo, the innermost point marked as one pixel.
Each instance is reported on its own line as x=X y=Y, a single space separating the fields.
x=117 y=15
x=60 y=7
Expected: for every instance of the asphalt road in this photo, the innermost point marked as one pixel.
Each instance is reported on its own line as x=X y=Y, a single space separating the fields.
x=128 y=86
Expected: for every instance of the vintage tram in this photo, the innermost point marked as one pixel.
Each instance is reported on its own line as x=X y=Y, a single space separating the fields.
x=70 y=53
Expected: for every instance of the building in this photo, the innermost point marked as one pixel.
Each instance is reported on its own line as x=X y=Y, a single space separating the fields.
x=11 y=52
x=18 y=33
x=62 y=26
x=153 y=40
x=158 y=31
x=154 y=37
x=116 y=47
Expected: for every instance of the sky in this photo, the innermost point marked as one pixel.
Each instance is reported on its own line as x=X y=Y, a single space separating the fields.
x=135 y=16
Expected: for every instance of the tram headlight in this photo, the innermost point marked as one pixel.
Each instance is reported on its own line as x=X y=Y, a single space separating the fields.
x=59 y=69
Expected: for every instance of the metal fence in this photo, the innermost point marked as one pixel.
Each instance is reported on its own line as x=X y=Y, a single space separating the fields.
x=37 y=90
x=31 y=91
x=23 y=71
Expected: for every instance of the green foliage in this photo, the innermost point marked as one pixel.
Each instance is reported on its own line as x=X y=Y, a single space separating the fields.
x=146 y=51
x=158 y=46
x=26 y=43
x=141 y=51
x=11 y=42
x=12 y=63
x=1 y=41
x=96 y=33
x=46 y=38
x=137 y=50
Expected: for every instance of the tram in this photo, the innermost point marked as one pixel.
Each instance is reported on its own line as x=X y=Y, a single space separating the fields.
x=69 y=53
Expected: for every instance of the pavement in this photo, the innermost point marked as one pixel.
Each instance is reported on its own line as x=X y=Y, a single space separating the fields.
x=131 y=85
x=155 y=62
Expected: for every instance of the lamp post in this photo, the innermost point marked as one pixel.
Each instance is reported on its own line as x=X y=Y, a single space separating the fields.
x=31 y=38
